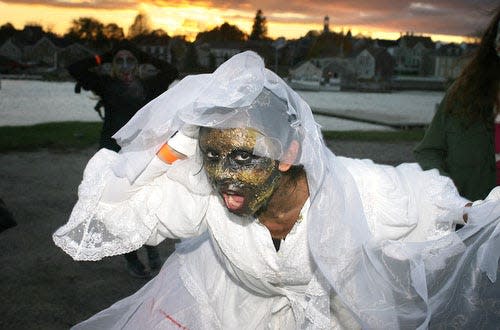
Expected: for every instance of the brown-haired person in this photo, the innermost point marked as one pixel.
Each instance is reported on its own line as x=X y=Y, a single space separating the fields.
x=122 y=94
x=463 y=139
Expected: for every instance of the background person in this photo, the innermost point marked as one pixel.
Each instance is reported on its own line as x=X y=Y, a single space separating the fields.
x=122 y=94
x=463 y=139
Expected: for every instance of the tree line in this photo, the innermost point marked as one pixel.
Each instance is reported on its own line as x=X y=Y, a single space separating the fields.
x=92 y=31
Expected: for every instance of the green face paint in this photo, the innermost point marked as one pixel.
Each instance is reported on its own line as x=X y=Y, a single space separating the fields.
x=244 y=181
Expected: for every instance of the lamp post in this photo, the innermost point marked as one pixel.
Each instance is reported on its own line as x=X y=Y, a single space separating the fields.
x=277 y=44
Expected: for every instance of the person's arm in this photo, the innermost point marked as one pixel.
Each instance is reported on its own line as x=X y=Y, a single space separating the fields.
x=166 y=74
x=82 y=72
x=116 y=216
x=405 y=202
x=431 y=151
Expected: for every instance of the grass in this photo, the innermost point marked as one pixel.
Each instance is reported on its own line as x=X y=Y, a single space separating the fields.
x=77 y=135
x=61 y=135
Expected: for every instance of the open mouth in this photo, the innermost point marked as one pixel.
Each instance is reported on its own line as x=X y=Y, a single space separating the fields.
x=233 y=201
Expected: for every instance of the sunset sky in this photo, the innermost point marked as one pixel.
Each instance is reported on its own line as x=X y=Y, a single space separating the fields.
x=446 y=20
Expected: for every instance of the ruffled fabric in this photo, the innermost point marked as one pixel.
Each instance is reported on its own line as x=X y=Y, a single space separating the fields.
x=96 y=230
x=414 y=281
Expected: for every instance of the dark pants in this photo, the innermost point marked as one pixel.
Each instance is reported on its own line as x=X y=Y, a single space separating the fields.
x=152 y=252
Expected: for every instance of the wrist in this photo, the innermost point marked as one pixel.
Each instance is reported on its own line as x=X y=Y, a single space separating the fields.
x=169 y=155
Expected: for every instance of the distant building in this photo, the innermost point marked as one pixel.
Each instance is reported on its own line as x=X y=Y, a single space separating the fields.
x=71 y=54
x=211 y=55
x=46 y=53
x=338 y=73
x=389 y=45
x=12 y=50
x=411 y=53
x=374 y=63
x=449 y=61
x=306 y=71
x=326 y=24
x=42 y=53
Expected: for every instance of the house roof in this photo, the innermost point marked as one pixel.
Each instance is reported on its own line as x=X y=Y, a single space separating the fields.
x=386 y=43
x=223 y=44
x=450 y=50
x=411 y=40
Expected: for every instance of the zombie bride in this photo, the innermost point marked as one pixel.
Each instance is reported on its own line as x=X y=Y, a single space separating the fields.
x=277 y=232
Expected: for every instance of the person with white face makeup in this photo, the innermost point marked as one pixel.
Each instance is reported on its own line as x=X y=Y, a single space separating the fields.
x=276 y=231
x=122 y=94
x=463 y=139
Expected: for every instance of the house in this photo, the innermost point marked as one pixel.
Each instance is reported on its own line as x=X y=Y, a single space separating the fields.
x=71 y=54
x=8 y=66
x=306 y=71
x=410 y=55
x=390 y=45
x=375 y=64
x=157 y=48
x=449 y=61
x=12 y=50
x=338 y=74
x=213 y=54
x=42 y=53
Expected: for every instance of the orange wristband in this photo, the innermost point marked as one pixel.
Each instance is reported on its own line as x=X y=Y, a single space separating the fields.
x=98 y=59
x=166 y=154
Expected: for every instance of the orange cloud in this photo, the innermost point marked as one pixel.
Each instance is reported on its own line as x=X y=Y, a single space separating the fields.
x=451 y=17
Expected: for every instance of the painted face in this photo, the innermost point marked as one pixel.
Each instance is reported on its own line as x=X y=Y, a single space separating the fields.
x=125 y=65
x=244 y=181
x=497 y=40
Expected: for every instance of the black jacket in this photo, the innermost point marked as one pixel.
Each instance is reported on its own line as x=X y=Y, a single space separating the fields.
x=121 y=101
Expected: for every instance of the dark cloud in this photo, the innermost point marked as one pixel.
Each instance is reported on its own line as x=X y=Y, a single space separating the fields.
x=105 y=4
x=455 y=17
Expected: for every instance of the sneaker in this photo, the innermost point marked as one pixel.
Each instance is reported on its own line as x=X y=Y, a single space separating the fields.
x=154 y=259
x=136 y=269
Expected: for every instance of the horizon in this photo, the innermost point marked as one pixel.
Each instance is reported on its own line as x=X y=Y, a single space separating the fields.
x=444 y=20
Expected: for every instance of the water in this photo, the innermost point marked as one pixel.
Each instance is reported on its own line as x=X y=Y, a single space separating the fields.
x=28 y=102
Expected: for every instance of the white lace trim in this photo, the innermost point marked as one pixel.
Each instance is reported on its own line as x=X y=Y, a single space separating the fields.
x=95 y=229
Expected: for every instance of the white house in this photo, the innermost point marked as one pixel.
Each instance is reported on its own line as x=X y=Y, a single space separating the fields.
x=307 y=71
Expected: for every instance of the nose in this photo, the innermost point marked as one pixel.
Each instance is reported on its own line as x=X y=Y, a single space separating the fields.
x=225 y=169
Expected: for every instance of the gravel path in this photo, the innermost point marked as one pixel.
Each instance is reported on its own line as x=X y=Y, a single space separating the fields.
x=43 y=288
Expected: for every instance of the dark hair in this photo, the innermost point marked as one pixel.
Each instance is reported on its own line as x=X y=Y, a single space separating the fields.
x=131 y=47
x=474 y=93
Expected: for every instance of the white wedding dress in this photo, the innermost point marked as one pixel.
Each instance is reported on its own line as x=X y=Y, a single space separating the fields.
x=375 y=246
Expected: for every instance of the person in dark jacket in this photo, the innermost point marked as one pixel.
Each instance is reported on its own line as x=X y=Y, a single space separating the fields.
x=122 y=94
x=463 y=139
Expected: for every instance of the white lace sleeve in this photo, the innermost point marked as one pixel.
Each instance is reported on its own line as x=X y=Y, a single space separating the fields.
x=102 y=224
x=437 y=204
x=405 y=202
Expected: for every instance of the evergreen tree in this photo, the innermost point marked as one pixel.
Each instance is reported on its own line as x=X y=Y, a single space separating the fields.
x=141 y=26
x=259 y=28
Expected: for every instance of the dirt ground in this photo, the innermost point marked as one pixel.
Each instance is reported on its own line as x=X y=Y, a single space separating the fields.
x=43 y=288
